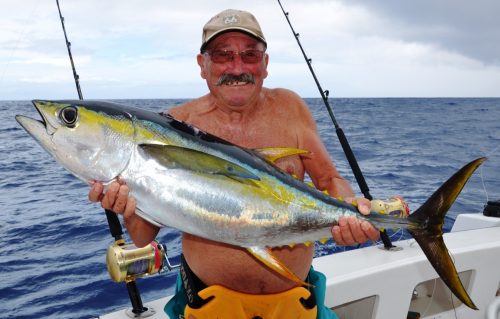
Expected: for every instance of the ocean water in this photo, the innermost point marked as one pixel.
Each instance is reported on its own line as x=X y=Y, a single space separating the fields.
x=53 y=241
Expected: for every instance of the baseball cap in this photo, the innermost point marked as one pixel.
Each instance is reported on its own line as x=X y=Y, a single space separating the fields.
x=231 y=20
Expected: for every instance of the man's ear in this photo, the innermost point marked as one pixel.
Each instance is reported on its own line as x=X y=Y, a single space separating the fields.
x=200 y=58
x=266 y=61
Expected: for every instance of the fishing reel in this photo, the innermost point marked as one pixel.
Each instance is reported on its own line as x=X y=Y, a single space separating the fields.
x=126 y=263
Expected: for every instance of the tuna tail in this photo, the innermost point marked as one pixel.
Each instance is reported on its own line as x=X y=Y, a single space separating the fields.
x=426 y=227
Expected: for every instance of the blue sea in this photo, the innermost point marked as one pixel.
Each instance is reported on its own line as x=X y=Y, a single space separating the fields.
x=53 y=240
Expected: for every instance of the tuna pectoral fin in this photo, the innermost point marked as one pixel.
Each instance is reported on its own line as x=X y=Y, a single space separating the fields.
x=265 y=255
x=185 y=158
x=426 y=227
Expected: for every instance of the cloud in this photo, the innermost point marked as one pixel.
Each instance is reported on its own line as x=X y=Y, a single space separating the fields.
x=126 y=49
x=466 y=27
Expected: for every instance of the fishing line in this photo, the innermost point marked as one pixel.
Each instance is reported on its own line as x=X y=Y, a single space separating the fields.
x=411 y=243
x=399 y=231
x=115 y=227
x=481 y=172
x=483 y=184
x=431 y=299
x=340 y=133
x=453 y=305
x=451 y=294
x=353 y=163
x=432 y=295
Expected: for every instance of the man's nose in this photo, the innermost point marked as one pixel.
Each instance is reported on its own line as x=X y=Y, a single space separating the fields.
x=237 y=64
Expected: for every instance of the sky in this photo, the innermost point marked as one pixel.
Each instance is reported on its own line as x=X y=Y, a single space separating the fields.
x=147 y=49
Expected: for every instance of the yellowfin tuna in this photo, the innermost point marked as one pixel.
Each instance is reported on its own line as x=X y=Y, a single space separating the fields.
x=184 y=178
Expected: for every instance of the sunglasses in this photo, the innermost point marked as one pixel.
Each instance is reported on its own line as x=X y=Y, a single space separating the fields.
x=248 y=56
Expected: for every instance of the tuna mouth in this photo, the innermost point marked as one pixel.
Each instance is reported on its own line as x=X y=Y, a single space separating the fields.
x=37 y=108
x=235 y=80
x=35 y=127
x=27 y=122
x=38 y=104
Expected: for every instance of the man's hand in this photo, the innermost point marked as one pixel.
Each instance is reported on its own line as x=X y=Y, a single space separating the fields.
x=351 y=230
x=116 y=198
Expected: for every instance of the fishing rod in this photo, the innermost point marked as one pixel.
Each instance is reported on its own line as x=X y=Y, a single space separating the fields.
x=340 y=133
x=68 y=45
x=115 y=227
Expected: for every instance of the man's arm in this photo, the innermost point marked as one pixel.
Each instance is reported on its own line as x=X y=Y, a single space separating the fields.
x=117 y=199
x=325 y=176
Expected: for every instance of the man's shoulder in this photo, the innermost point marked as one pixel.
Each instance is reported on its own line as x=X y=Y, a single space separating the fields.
x=285 y=98
x=281 y=93
x=184 y=111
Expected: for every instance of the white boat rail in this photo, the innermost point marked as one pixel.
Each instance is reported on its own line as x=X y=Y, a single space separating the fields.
x=370 y=283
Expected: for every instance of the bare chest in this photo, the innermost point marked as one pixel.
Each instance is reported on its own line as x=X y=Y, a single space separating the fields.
x=263 y=133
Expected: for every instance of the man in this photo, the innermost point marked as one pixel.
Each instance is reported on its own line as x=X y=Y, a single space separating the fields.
x=239 y=109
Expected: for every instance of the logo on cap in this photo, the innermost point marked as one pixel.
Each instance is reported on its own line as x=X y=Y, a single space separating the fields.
x=231 y=19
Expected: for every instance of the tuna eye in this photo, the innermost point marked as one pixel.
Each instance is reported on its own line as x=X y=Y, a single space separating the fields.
x=69 y=116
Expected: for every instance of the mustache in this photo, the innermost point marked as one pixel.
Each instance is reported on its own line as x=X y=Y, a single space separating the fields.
x=229 y=78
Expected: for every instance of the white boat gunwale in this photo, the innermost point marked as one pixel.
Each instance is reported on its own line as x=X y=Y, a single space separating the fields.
x=373 y=284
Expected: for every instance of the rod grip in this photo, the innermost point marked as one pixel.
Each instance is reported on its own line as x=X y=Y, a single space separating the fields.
x=353 y=163
x=115 y=228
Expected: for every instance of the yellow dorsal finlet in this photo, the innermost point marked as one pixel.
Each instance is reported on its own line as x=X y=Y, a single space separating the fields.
x=273 y=154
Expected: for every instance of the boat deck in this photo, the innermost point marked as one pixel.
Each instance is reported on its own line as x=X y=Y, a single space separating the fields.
x=372 y=283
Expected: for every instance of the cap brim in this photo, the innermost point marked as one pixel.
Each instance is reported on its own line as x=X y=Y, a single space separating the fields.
x=219 y=32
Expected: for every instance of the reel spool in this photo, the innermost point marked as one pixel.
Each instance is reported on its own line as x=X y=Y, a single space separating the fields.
x=126 y=263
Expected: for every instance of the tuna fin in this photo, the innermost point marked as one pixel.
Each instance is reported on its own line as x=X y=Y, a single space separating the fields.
x=247 y=181
x=185 y=158
x=266 y=256
x=308 y=243
x=146 y=217
x=426 y=227
x=272 y=154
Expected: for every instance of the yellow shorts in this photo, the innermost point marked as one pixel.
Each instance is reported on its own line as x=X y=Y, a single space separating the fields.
x=193 y=299
x=229 y=304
